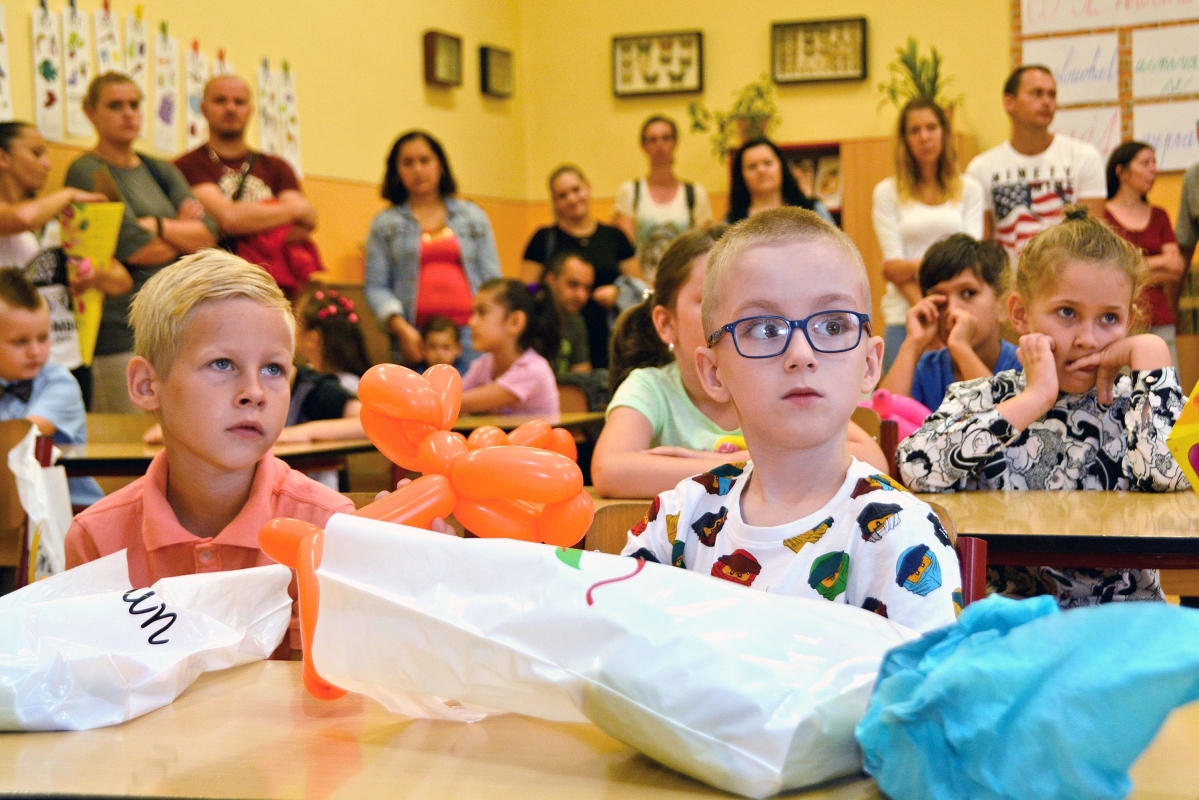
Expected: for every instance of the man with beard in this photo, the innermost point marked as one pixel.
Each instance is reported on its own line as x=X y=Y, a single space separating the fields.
x=246 y=192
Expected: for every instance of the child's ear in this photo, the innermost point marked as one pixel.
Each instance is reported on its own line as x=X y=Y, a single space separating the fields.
x=1017 y=313
x=664 y=324
x=144 y=384
x=709 y=375
x=874 y=364
x=516 y=322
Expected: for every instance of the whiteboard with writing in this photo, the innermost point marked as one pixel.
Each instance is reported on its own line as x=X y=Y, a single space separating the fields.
x=1170 y=129
x=1099 y=126
x=1086 y=68
x=1165 y=61
x=1059 y=16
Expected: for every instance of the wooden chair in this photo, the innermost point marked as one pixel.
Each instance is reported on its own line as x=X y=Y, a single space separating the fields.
x=868 y=420
x=572 y=398
x=613 y=519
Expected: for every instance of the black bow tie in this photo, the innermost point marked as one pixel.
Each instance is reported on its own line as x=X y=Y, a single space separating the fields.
x=22 y=390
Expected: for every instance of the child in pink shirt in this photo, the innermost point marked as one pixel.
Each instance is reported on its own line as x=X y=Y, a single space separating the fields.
x=517 y=333
x=213 y=344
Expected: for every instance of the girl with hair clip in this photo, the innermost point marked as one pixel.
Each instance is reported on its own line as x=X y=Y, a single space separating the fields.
x=517 y=333
x=762 y=180
x=328 y=336
x=1070 y=420
x=662 y=427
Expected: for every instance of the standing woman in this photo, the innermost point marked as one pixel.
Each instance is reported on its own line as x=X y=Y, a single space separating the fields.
x=163 y=221
x=928 y=199
x=30 y=239
x=429 y=253
x=606 y=248
x=653 y=210
x=761 y=181
x=1131 y=173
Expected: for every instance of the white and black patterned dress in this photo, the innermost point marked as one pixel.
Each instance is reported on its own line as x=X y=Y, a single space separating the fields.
x=967 y=445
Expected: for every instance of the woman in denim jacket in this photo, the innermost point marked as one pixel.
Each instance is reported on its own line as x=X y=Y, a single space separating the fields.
x=430 y=252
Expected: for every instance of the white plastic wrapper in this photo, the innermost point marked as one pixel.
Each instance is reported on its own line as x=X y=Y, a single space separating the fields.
x=46 y=498
x=750 y=692
x=83 y=650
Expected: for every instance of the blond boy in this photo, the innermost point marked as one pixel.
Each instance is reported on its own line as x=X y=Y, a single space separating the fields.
x=213 y=344
x=786 y=309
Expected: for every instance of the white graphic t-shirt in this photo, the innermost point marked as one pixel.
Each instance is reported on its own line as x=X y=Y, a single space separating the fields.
x=43 y=264
x=1027 y=194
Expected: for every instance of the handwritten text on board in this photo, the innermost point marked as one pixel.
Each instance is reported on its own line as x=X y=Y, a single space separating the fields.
x=1059 y=16
x=1087 y=68
x=1170 y=129
x=1165 y=61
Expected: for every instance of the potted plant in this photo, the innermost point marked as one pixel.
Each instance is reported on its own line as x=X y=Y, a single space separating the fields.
x=914 y=75
x=753 y=115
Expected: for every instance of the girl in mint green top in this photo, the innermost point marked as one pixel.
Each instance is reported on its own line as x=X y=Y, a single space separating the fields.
x=662 y=427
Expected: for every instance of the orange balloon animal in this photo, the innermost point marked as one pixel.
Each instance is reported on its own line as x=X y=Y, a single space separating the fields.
x=522 y=485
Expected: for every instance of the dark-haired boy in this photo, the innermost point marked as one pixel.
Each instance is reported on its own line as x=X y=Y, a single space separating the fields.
x=962 y=280
x=569 y=279
x=443 y=342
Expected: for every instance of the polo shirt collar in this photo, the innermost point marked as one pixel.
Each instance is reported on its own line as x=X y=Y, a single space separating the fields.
x=161 y=528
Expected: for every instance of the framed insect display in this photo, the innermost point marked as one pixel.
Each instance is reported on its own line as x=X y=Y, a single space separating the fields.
x=818 y=50
x=443 y=59
x=658 y=63
x=495 y=71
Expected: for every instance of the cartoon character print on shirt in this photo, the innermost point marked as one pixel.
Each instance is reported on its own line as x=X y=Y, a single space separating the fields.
x=649 y=517
x=874 y=483
x=720 y=481
x=738 y=566
x=876 y=606
x=876 y=519
x=957 y=602
x=918 y=570
x=708 y=525
x=677 y=545
x=939 y=529
x=830 y=574
x=796 y=543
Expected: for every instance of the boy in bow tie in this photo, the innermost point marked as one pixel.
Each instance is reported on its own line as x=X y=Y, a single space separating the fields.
x=30 y=388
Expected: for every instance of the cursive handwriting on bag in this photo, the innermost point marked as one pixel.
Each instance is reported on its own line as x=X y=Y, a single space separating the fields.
x=158 y=614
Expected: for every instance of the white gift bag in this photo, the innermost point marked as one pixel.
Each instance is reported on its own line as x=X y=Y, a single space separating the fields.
x=750 y=692
x=82 y=649
x=46 y=498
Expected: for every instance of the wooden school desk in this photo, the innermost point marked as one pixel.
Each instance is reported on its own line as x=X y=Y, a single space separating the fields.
x=133 y=458
x=570 y=419
x=253 y=732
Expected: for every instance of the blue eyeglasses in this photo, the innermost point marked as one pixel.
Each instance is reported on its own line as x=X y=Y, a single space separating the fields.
x=769 y=336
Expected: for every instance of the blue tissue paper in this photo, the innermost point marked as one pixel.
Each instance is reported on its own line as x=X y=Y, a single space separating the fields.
x=1021 y=700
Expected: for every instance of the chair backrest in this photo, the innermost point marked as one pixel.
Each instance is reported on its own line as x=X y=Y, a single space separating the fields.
x=868 y=420
x=610 y=529
x=117 y=428
x=888 y=442
x=572 y=398
x=12 y=514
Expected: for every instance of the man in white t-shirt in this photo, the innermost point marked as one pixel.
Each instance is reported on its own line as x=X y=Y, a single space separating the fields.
x=1031 y=178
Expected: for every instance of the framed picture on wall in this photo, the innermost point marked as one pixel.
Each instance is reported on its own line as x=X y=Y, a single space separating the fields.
x=443 y=59
x=495 y=71
x=657 y=63
x=818 y=50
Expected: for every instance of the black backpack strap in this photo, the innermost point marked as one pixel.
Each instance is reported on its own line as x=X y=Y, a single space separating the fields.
x=689 y=188
x=636 y=194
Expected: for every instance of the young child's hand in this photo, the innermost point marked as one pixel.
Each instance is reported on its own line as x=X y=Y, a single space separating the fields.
x=1141 y=352
x=606 y=296
x=1040 y=368
x=922 y=320
x=962 y=325
x=686 y=452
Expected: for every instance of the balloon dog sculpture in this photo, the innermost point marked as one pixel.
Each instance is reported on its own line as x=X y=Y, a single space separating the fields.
x=522 y=485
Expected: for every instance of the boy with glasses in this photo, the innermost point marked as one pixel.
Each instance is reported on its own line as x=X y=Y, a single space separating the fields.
x=786 y=303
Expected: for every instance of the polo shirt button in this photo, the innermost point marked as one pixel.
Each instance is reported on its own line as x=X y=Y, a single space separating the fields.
x=206 y=555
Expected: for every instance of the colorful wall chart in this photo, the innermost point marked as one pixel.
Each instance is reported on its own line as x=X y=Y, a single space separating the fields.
x=109 y=55
x=1087 y=68
x=268 y=110
x=166 y=91
x=47 y=74
x=77 y=68
x=289 y=120
x=195 y=75
x=6 y=112
x=220 y=66
x=137 y=55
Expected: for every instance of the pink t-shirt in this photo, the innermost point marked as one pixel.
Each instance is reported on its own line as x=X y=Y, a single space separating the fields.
x=530 y=378
x=139 y=519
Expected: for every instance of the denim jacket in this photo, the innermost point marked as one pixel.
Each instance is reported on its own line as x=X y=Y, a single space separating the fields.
x=393 y=255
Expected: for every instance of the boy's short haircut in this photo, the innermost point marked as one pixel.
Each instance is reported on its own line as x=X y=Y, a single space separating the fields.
x=161 y=310
x=953 y=255
x=17 y=291
x=558 y=262
x=773 y=227
x=440 y=324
